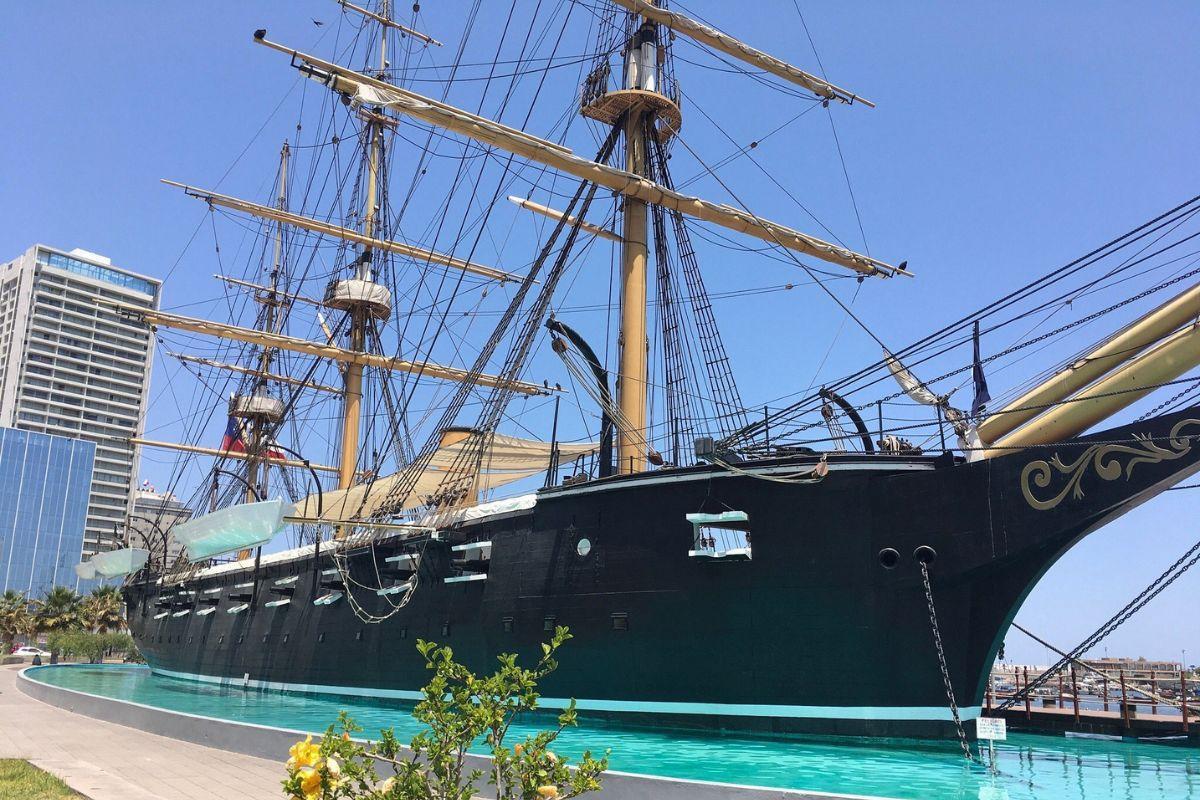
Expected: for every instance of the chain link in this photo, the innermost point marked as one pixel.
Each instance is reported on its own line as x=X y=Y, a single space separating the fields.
x=941 y=655
x=1169 y=576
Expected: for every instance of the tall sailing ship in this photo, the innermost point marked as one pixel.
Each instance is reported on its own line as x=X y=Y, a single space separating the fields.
x=717 y=565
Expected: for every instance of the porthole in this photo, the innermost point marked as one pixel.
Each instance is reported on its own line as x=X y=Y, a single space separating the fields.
x=445 y=629
x=925 y=554
x=620 y=621
x=404 y=632
x=889 y=558
x=583 y=546
x=508 y=624
x=549 y=623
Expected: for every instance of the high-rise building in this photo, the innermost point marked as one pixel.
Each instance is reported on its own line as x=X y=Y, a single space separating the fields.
x=44 y=486
x=154 y=515
x=71 y=364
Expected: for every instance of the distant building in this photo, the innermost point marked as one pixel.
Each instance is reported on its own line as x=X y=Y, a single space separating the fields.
x=45 y=483
x=1135 y=668
x=72 y=365
x=154 y=515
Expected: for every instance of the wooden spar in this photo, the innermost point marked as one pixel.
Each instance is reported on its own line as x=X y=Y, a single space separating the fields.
x=337 y=231
x=284 y=300
x=1118 y=348
x=546 y=211
x=715 y=39
x=270 y=376
x=374 y=92
x=297 y=345
x=213 y=451
x=356 y=523
x=391 y=23
x=1122 y=387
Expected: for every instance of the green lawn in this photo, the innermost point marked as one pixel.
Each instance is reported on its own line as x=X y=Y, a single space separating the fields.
x=20 y=780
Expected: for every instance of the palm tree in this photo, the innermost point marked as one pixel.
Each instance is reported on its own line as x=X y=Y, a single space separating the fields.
x=58 y=610
x=15 y=619
x=100 y=611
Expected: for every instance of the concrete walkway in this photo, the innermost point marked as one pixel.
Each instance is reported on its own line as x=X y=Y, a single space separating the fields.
x=111 y=762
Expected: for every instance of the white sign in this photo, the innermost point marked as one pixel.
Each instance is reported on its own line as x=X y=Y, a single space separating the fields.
x=991 y=728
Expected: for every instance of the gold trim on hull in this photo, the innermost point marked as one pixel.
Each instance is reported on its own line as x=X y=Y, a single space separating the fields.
x=1108 y=460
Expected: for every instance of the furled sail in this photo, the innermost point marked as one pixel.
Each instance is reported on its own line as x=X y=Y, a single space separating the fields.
x=911 y=385
x=506 y=459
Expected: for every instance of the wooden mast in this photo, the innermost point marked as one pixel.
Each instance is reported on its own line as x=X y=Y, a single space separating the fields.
x=257 y=444
x=359 y=319
x=256 y=411
x=641 y=67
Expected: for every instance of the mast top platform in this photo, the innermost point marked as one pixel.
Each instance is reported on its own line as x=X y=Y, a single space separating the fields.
x=611 y=106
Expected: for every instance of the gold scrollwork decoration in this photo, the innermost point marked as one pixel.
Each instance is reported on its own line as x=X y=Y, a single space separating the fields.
x=1110 y=461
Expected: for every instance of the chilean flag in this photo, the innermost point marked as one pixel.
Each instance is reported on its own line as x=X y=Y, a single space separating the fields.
x=234 y=439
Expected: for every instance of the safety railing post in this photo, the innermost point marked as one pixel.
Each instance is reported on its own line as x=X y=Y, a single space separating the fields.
x=1183 y=698
x=1075 y=693
x=1028 y=708
x=1124 y=701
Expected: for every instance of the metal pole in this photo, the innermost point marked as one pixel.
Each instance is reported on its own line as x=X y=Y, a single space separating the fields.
x=879 y=415
x=941 y=429
x=1028 y=715
x=1060 y=690
x=1183 y=698
x=1106 y=692
x=767 y=428
x=1154 y=690
x=1124 y=704
x=552 y=467
x=1075 y=692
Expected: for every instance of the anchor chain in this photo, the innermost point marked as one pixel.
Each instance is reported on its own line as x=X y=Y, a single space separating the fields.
x=1169 y=576
x=941 y=655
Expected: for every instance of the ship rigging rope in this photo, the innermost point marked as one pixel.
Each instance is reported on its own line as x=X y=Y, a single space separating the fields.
x=1170 y=219
x=1014 y=348
x=941 y=657
x=400 y=492
x=1169 y=576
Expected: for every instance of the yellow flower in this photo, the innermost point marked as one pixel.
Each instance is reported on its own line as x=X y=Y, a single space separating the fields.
x=304 y=754
x=519 y=749
x=548 y=792
x=310 y=782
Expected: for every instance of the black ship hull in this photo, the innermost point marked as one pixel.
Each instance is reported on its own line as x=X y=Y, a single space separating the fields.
x=817 y=631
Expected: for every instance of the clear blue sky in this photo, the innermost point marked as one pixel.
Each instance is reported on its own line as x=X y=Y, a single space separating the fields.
x=1008 y=139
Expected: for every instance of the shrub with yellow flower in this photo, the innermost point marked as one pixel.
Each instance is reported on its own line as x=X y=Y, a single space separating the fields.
x=459 y=709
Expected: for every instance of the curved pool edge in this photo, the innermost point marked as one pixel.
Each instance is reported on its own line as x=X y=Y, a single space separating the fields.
x=272 y=743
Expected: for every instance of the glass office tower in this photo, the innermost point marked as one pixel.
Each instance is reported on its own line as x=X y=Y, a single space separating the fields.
x=45 y=482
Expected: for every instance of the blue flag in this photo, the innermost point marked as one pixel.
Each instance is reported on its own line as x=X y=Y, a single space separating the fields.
x=982 y=397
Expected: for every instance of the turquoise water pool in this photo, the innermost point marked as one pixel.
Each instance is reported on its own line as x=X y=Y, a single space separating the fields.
x=1031 y=767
